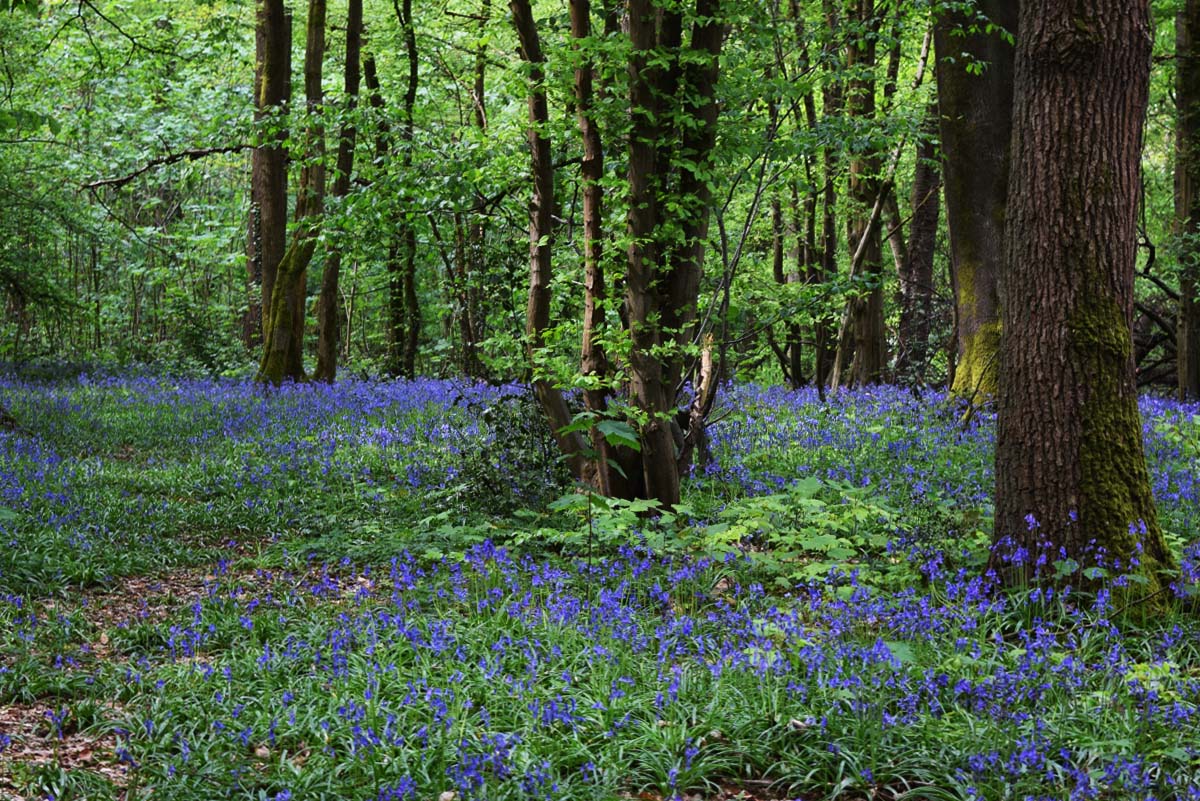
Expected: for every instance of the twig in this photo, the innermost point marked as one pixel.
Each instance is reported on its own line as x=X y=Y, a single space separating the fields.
x=137 y=43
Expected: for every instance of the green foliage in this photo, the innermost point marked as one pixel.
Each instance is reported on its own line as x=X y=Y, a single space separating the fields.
x=812 y=531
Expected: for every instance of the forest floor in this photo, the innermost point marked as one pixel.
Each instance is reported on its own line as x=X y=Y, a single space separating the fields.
x=388 y=591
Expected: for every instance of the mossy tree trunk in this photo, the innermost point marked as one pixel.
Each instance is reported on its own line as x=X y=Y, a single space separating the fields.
x=975 y=84
x=1187 y=195
x=328 y=308
x=283 y=348
x=1069 y=445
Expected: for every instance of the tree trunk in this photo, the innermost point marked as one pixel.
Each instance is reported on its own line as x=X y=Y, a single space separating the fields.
x=328 y=313
x=283 y=352
x=870 y=336
x=916 y=268
x=541 y=208
x=832 y=103
x=594 y=360
x=976 y=122
x=647 y=382
x=1068 y=443
x=408 y=232
x=268 y=183
x=1187 y=195
x=663 y=267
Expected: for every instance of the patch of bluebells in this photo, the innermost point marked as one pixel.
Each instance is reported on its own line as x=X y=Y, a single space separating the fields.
x=114 y=467
x=501 y=675
x=505 y=676
x=913 y=450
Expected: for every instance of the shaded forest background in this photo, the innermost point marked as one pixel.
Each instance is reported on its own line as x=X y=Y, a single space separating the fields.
x=129 y=234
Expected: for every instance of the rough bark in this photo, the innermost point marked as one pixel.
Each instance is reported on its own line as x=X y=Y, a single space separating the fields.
x=268 y=183
x=328 y=313
x=1187 y=196
x=283 y=350
x=1068 y=444
x=976 y=122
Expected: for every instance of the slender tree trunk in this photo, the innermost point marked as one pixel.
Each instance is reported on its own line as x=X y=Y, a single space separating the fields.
x=976 y=121
x=268 y=186
x=541 y=223
x=472 y=227
x=832 y=104
x=916 y=269
x=647 y=381
x=1070 y=470
x=328 y=313
x=788 y=353
x=408 y=230
x=1187 y=195
x=283 y=352
x=594 y=360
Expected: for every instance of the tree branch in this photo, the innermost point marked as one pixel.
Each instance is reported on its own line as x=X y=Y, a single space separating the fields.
x=192 y=154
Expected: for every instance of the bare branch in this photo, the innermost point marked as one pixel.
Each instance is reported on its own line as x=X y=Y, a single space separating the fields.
x=192 y=154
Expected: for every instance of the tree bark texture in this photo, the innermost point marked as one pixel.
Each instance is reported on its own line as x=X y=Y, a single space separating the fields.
x=1187 y=195
x=328 y=313
x=976 y=125
x=268 y=182
x=1069 y=446
x=283 y=351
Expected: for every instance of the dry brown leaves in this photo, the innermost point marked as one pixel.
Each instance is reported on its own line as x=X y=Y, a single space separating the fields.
x=34 y=739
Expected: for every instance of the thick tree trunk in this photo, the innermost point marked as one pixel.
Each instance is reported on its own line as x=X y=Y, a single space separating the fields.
x=916 y=268
x=328 y=312
x=1187 y=195
x=1068 y=443
x=268 y=183
x=869 y=334
x=976 y=121
x=662 y=266
x=647 y=382
x=283 y=351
